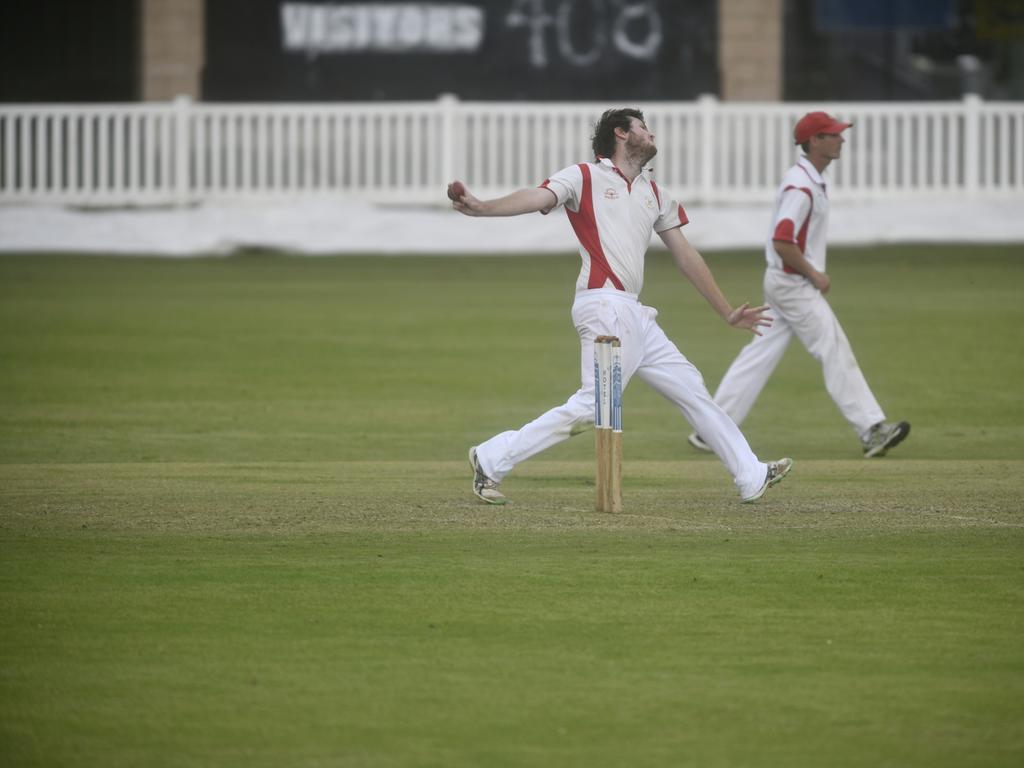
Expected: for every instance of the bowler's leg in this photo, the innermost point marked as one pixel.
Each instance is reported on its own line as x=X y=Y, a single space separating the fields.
x=499 y=455
x=674 y=377
x=593 y=316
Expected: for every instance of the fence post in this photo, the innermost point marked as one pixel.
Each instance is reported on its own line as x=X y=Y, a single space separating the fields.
x=972 y=143
x=707 y=104
x=448 y=104
x=182 y=140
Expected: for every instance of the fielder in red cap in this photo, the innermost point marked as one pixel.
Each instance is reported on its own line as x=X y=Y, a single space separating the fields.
x=795 y=284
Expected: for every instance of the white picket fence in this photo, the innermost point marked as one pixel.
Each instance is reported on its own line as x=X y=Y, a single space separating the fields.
x=182 y=152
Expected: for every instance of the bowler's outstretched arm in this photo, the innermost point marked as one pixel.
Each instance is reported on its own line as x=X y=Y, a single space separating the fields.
x=519 y=202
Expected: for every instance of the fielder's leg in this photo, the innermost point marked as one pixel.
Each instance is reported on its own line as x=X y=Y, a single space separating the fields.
x=746 y=377
x=819 y=331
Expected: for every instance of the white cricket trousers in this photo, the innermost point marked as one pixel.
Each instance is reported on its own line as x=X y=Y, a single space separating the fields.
x=799 y=309
x=648 y=353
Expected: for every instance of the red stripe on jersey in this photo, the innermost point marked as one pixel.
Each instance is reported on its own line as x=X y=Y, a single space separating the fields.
x=801 y=238
x=584 y=224
x=784 y=231
x=657 y=194
x=683 y=218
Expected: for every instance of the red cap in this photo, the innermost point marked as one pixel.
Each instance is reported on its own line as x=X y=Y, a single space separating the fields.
x=814 y=123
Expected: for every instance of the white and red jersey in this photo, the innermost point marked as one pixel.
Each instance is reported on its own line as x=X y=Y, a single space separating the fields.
x=800 y=216
x=613 y=220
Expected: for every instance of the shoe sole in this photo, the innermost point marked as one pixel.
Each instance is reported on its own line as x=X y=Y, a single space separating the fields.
x=774 y=481
x=902 y=430
x=473 y=466
x=491 y=502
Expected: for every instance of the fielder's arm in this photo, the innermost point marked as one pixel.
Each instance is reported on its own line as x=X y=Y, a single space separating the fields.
x=692 y=264
x=519 y=202
x=793 y=258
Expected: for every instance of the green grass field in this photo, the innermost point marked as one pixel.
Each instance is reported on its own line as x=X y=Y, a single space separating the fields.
x=236 y=526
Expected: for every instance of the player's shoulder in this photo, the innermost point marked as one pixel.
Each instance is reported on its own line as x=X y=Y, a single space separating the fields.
x=795 y=182
x=795 y=176
x=574 y=171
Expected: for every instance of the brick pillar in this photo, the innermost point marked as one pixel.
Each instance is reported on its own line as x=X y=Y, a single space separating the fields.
x=172 y=49
x=750 y=49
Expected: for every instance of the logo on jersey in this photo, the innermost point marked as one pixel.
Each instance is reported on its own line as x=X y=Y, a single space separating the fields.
x=611 y=194
x=649 y=202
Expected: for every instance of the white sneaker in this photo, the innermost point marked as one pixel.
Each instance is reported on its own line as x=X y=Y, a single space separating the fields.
x=776 y=471
x=884 y=436
x=484 y=488
x=695 y=440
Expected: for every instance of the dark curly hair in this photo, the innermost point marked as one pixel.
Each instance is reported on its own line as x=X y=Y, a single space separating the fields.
x=603 y=140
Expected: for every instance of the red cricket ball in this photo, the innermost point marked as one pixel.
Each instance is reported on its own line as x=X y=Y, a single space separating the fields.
x=456 y=190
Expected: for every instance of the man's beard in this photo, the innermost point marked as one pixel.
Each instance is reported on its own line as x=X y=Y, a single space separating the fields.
x=641 y=152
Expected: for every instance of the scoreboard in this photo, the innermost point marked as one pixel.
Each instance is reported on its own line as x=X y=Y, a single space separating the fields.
x=292 y=50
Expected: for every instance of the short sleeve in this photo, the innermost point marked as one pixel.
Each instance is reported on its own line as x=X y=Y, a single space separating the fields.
x=567 y=185
x=794 y=208
x=670 y=212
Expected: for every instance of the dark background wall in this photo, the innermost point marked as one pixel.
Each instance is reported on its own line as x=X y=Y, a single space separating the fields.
x=603 y=50
x=69 y=50
x=905 y=50
x=525 y=49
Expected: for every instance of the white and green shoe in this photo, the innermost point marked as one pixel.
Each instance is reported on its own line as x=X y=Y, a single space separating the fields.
x=776 y=471
x=884 y=436
x=484 y=488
